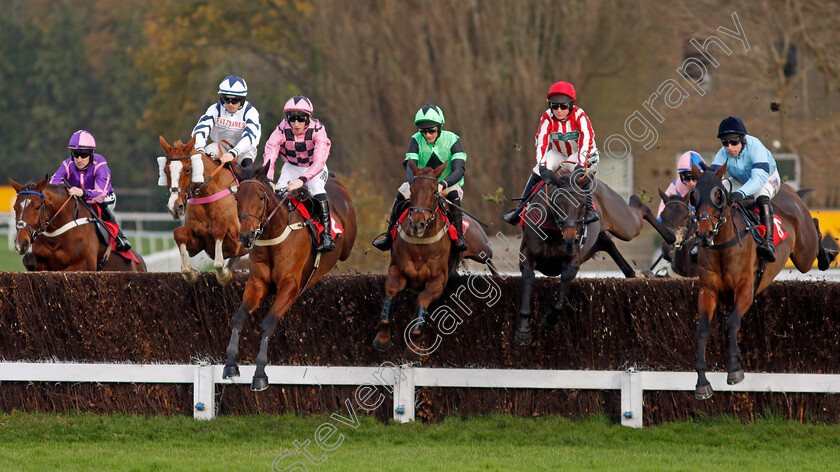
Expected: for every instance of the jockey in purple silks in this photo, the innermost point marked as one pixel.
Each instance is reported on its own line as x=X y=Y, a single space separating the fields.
x=90 y=178
x=302 y=143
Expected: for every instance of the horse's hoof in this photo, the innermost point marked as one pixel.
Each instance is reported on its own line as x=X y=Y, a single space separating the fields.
x=230 y=372
x=523 y=336
x=382 y=346
x=735 y=377
x=224 y=277
x=704 y=392
x=258 y=384
x=646 y=274
x=191 y=276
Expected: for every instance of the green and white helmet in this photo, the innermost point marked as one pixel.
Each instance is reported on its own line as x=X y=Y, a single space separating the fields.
x=429 y=113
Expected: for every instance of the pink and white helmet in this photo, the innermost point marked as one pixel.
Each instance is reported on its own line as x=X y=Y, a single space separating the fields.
x=298 y=103
x=81 y=140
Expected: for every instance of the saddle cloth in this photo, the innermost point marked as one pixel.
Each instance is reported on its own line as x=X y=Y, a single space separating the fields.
x=779 y=234
x=335 y=226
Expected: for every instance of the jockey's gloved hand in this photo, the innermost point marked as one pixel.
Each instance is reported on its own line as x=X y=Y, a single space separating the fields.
x=736 y=196
x=545 y=174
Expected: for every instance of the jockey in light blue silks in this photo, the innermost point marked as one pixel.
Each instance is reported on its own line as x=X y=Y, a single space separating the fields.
x=90 y=178
x=231 y=119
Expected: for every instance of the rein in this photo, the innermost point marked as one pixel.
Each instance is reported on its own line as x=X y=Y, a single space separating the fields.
x=34 y=232
x=412 y=210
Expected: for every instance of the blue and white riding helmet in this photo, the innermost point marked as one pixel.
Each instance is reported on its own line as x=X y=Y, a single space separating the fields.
x=233 y=85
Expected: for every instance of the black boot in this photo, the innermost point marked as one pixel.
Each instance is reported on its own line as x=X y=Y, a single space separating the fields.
x=591 y=214
x=122 y=241
x=513 y=216
x=326 y=244
x=457 y=220
x=385 y=243
x=766 y=251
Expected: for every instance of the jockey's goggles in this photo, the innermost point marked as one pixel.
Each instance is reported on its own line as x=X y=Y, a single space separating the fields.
x=733 y=142
x=230 y=99
x=562 y=106
x=687 y=176
x=301 y=118
x=431 y=130
x=81 y=153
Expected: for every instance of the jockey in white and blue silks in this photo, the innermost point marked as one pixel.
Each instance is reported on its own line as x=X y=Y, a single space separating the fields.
x=231 y=119
x=752 y=171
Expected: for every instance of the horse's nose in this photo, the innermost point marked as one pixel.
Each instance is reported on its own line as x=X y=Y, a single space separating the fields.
x=247 y=239
x=21 y=247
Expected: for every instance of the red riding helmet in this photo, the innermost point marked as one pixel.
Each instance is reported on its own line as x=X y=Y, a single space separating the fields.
x=561 y=88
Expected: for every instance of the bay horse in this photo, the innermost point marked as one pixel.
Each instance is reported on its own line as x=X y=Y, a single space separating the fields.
x=59 y=232
x=423 y=256
x=729 y=266
x=282 y=255
x=678 y=217
x=201 y=191
x=556 y=241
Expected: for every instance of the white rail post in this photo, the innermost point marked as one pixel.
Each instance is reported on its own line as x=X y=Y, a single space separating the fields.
x=204 y=392
x=404 y=394
x=631 y=399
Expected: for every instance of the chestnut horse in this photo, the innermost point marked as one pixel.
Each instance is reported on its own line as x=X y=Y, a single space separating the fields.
x=556 y=241
x=678 y=217
x=282 y=255
x=730 y=268
x=423 y=256
x=201 y=191
x=58 y=230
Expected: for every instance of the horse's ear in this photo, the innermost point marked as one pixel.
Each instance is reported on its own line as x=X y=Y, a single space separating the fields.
x=263 y=172
x=18 y=187
x=40 y=185
x=692 y=198
x=238 y=171
x=439 y=170
x=662 y=195
x=696 y=170
x=721 y=170
x=412 y=164
x=191 y=143
x=166 y=147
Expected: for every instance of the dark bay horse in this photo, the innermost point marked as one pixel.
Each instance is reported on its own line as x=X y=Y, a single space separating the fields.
x=678 y=217
x=423 y=256
x=202 y=192
x=729 y=265
x=282 y=256
x=555 y=240
x=61 y=232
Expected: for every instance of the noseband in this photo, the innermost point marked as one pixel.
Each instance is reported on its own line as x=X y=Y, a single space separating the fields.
x=262 y=219
x=412 y=210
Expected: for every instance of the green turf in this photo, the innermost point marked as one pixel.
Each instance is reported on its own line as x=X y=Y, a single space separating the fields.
x=34 y=442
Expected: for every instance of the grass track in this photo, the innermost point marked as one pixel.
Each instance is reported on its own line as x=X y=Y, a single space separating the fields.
x=38 y=441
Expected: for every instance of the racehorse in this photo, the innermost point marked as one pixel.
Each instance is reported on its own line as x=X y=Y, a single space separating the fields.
x=201 y=192
x=282 y=254
x=56 y=227
x=678 y=217
x=423 y=256
x=556 y=241
x=729 y=266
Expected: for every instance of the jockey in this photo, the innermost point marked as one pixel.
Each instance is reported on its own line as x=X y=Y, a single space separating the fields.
x=302 y=142
x=752 y=171
x=686 y=180
x=432 y=146
x=565 y=139
x=90 y=178
x=231 y=119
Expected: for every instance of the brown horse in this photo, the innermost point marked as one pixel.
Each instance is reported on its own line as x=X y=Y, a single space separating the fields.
x=56 y=227
x=678 y=217
x=556 y=241
x=729 y=266
x=283 y=256
x=423 y=256
x=202 y=192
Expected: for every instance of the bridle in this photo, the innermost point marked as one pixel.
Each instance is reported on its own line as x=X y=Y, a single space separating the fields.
x=264 y=216
x=720 y=218
x=689 y=222
x=413 y=210
x=31 y=230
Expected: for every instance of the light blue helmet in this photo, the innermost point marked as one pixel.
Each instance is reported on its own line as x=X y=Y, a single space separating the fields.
x=233 y=85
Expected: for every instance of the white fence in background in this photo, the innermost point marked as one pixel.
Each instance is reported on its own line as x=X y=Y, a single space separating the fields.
x=405 y=379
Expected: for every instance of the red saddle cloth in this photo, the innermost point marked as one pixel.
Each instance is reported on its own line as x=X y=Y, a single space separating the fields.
x=114 y=229
x=335 y=226
x=451 y=231
x=779 y=234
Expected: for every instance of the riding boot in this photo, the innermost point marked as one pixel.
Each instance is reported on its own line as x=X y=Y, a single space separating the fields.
x=122 y=241
x=513 y=216
x=591 y=214
x=385 y=243
x=457 y=220
x=767 y=250
x=326 y=244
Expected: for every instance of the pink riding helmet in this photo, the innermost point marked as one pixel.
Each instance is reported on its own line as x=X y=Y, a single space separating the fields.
x=298 y=103
x=81 y=140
